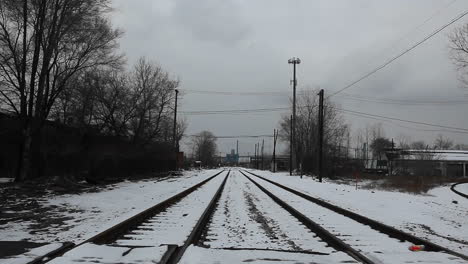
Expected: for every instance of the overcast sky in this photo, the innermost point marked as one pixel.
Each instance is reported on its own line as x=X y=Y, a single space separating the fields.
x=244 y=45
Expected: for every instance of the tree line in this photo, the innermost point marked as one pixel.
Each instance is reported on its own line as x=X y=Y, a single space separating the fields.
x=335 y=139
x=59 y=61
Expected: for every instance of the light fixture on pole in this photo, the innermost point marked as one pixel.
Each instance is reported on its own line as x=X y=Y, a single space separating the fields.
x=294 y=61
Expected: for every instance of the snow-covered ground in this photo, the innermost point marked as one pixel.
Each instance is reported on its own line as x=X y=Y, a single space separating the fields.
x=247 y=218
x=463 y=188
x=440 y=216
x=370 y=242
x=247 y=226
x=172 y=226
x=90 y=213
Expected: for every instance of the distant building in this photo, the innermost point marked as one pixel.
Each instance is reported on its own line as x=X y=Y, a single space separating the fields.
x=281 y=164
x=447 y=163
x=232 y=158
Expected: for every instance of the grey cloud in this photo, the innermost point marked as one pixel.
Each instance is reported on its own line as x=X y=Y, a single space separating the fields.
x=212 y=20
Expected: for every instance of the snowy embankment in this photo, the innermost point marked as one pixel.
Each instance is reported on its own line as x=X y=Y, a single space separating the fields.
x=440 y=216
x=90 y=213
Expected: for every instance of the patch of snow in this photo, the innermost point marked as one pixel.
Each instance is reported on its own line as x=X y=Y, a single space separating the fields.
x=31 y=255
x=370 y=242
x=434 y=216
x=6 y=180
x=169 y=227
x=463 y=188
x=90 y=213
x=199 y=255
x=248 y=218
x=109 y=255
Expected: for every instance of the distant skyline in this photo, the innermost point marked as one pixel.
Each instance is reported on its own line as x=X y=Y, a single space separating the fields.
x=243 y=46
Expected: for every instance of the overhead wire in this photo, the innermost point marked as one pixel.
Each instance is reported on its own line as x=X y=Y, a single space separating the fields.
x=248 y=111
x=367 y=75
x=402 y=120
x=240 y=136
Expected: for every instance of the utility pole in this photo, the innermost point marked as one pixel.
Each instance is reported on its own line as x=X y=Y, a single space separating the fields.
x=294 y=61
x=320 y=133
x=290 y=146
x=263 y=144
x=275 y=136
x=391 y=159
x=174 y=131
x=255 y=156
x=237 y=152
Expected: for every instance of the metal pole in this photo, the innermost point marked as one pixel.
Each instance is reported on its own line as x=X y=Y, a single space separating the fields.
x=274 y=150
x=320 y=154
x=255 y=156
x=237 y=151
x=263 y=144
x=295 y=159
x=174 y=131
x=290 y=147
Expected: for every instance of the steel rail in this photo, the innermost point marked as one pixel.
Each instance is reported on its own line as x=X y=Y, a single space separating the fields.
x=198 y=229
x=458 y=192
x=383 y=228
x=116 y=231
x=326 y=236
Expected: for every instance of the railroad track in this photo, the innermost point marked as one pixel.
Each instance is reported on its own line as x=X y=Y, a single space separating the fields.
x=362 y=238
x=453 y=188
x=161 y=233
x=243 y=217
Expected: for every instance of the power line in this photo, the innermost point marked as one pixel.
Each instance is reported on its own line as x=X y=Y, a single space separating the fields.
x=402 y=126
x=436 y=13
x=410 y=102
x=246 y=111
x=257 y=93
x=241 y=136
x=235 y=111
x=399 y=55
x=402 y=120
x=355 y=97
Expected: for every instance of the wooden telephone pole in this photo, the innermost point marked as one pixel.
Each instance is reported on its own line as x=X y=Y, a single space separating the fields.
x=275 y=137
x=320 y=133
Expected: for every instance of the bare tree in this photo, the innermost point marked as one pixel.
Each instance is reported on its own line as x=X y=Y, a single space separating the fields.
x=204 y=146
x=403 y=141
x=418 y=145
x=461 y=147
x=43 y=44
x=153 y=89
x=379 y=145
x=442 y=142
x=335 y=130
x=459 y=51
x=115 y=104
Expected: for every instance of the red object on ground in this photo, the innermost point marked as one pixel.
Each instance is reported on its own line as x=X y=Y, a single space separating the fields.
x=416 y=248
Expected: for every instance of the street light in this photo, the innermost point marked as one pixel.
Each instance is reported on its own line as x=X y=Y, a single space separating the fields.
x=294 y=61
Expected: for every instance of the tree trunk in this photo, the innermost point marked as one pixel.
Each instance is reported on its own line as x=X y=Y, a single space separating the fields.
x=25 y=153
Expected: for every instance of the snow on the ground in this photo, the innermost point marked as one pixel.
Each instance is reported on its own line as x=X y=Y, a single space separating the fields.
x=172 y=226
x=463 y=188
x=440 y=216
x=247 y=218
x=6 y=180
x=90 y=213
x=370 y=242
x=109 y=255
x=199 y=255
x=32 y=254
